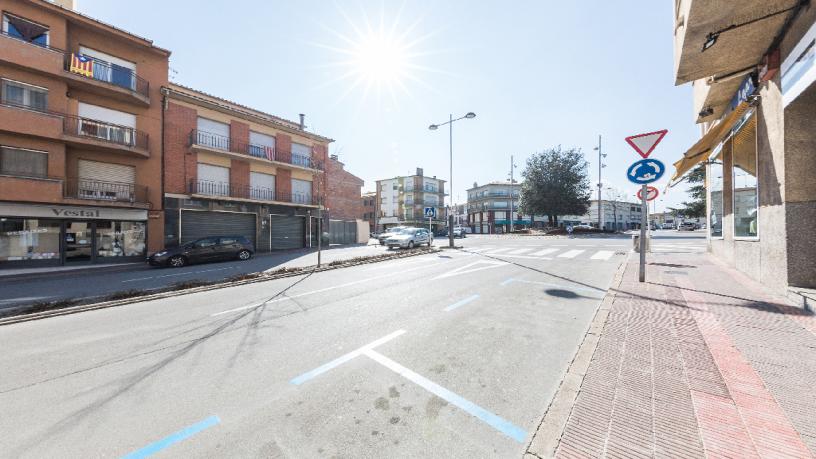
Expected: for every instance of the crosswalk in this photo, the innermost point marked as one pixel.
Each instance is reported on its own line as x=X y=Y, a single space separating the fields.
x=553 y=253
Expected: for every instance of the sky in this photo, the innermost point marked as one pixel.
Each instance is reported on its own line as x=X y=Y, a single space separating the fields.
x=373 y=75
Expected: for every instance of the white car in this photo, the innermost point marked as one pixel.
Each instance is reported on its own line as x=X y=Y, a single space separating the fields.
x=410 y=238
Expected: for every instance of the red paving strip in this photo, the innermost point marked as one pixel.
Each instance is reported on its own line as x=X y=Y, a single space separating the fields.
x=764 y=424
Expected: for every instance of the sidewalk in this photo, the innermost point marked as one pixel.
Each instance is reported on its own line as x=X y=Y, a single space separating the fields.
x=697 y=362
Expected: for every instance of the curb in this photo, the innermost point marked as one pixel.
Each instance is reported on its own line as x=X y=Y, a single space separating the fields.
x=219 y=285
x=548 y=433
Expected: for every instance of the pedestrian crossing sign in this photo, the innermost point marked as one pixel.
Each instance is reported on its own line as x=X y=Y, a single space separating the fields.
x=430 y=212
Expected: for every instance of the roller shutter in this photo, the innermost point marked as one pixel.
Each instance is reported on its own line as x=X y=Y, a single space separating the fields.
x=198 y=224
x=287 y=232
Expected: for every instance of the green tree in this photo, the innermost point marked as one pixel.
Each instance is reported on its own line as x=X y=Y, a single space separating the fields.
x=556 y=182
x=695 y=208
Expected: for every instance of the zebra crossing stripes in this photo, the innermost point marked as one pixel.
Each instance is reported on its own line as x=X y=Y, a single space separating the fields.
x=541 y=253
x=602 y=255
x=518 y=251
x=505 y=249
x=571 y=253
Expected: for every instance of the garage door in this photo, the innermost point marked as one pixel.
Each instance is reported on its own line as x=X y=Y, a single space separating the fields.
x=197 y=224
x=287 y=232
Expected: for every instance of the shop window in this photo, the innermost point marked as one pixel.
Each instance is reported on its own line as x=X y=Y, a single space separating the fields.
x=29 y=239
x=23 y=95
x=25 y=30
x=744 y=184
x=120 y=239
x=715 y=185
x=23 y=163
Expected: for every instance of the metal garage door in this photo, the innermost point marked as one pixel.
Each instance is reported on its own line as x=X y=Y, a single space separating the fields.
x=342 y=232
x=287 y=232
x=198 y=224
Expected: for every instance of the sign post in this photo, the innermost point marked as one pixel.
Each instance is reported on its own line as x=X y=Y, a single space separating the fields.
x=430 y=212
x=643 y=172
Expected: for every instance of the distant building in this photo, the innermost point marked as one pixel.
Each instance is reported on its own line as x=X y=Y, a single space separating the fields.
x=617 y=215
x=368 y=204
x=489 y=208
x=402 y=200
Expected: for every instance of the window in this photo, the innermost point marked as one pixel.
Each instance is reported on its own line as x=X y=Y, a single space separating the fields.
x=120 y=239
x=715 y=185
x=29 y=239
x=227 y=241
x=301 y=154
x=746 y=198
x=261 y=186
x=25 y=30
x=24 y=95
x=23 y=163
x=203 y=243
x=301 y=191
x=212 y=133
x=261 y=145
x=111 y=69
x=213 y=180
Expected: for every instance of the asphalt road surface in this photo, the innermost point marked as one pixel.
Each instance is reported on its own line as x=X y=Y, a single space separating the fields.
x=454 y=354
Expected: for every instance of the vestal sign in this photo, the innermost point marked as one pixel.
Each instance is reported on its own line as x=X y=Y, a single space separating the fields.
x=91 y=213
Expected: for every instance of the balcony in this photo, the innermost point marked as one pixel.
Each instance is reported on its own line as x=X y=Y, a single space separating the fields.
x=101 y=135
x=206 y=188
x=97 y=190
x=215 y=143
x=32 y=56
x=25 y=120
x=106 y=79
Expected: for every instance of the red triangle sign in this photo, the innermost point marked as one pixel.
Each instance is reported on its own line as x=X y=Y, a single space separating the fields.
x=644 y=144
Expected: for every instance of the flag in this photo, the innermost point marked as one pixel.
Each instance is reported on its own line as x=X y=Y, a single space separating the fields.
x=270 y=153
x=82 y=65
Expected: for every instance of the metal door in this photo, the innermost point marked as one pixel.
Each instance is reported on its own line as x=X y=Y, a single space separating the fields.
x=287 y=232
x=200 y=224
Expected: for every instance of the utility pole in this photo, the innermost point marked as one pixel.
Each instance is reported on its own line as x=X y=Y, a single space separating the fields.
x=450 y=192
x=600 y=182
x=511 y=193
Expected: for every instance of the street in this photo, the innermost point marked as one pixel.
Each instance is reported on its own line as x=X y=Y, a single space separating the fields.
x=455 y=354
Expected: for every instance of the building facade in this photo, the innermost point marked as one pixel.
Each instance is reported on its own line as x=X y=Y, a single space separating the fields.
x=402 y=200
x=80 y=138
x=489 y=209
x=233 y=170
x=615 y=215
x=368 y=202
x=344 y=189
x=754 y=97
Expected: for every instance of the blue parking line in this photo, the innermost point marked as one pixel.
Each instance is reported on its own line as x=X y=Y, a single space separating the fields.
x=461 y=302
x=172 y=439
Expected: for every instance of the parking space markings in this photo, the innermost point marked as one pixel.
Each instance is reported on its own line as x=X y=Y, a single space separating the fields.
x=168 y=441
x=343 y=359
x=571 y=253
x=461 y=302
x=602 y=255
x=502 y=425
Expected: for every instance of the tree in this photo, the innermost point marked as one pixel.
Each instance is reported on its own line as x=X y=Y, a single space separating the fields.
x=697 y=207
x=556 y=182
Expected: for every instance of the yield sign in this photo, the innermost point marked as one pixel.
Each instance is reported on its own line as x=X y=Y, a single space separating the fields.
x=644 y=144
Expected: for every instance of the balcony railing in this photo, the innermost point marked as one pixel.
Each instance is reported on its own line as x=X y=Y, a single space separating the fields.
x=220 y=142
x=106 y=132
x=6 y=34
x=82 y=188
x=116 y=75
x=216 y=189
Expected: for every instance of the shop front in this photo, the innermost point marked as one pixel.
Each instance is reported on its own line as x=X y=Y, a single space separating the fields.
x=54 y=235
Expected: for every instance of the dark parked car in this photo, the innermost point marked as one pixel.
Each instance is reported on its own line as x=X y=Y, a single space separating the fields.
x=203 y=251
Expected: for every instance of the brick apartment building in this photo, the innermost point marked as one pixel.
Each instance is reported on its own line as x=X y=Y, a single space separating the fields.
x=368 y=201
x=233 y=170
x=80 y=138
x=344 y=188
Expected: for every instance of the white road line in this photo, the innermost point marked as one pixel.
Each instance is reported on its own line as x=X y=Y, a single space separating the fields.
x=347 y=284
x=502 y=425
x=518 y=251
x=571 y=253
x=505 y=249
x=479 y=249
x=343 y=359
x=544 y=252
x=179 y=274
x=602 y=255
x=461 y=303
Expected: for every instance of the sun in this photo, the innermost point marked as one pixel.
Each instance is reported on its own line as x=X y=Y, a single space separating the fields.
x=381 y=59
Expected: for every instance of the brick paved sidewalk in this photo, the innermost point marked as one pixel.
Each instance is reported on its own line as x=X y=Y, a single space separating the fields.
x=697 y=362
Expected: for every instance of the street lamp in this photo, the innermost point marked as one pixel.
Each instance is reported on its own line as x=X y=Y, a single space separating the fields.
x=601 y=165
x=433 y=127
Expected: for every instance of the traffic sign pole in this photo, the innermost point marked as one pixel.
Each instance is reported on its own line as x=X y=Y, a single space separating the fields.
x=644 y=222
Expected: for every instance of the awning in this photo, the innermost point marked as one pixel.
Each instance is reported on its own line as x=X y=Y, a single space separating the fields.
x=700 y=151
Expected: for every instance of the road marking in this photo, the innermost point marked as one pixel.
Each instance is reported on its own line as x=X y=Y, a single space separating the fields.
x=502 y=425
x=505 y=249
x=343 y=359
x=550 y=284
x=602 y=255
x=464 y=269
x=347 y=284
x=170 y=440
x=544 y=252
x=461 y=302
x=179 y=274
x=571 y=253
x=560 y=245
x=479 y=249
x=519 y=251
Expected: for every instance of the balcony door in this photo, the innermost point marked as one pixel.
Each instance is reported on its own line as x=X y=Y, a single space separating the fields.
x=105 y=181
x=106 y=124
x=111 y=68
x=213 y=180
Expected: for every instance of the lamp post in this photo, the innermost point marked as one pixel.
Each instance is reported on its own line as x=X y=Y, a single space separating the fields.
x=433 y=127
x=601 y=165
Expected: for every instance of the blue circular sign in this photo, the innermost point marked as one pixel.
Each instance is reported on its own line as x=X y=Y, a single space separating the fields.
x=645 y=171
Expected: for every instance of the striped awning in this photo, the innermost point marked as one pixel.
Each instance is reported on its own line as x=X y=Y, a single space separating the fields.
x=701 y=150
